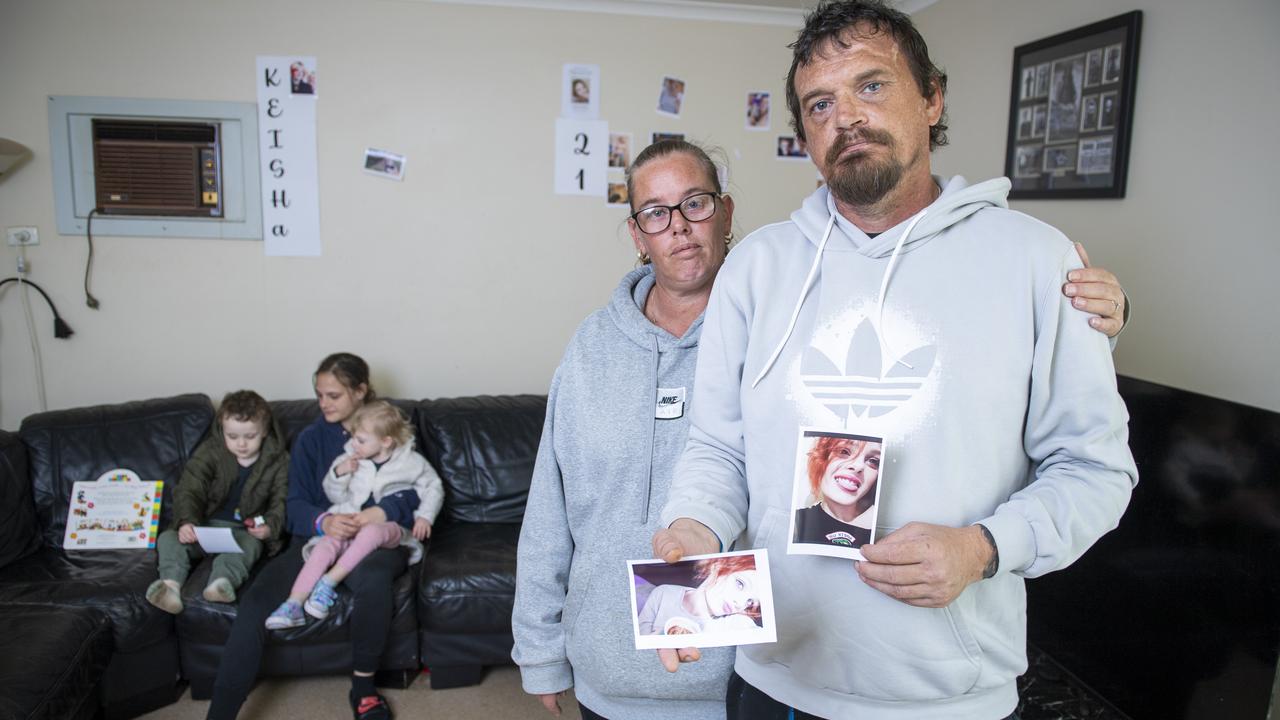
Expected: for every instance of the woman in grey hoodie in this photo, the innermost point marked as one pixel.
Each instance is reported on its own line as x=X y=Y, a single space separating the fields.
x=617 y=420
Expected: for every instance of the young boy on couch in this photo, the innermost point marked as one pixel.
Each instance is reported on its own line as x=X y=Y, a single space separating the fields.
x=237 y=478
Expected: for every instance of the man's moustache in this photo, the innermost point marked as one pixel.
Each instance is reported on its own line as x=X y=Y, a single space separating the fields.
x=844 y=140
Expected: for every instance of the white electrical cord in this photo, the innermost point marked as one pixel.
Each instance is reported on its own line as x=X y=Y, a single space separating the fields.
x=31 y=330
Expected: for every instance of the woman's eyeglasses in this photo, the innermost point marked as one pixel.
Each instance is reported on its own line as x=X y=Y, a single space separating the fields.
x=657 y=218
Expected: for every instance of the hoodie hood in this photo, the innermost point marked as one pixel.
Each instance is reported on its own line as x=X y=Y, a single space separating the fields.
x=958 y=201
x=626 y=309
x=823 y=226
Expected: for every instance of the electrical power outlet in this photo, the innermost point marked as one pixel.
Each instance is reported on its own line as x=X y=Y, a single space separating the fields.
x=22 y=236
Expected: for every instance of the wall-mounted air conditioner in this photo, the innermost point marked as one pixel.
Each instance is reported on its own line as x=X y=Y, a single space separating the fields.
x=155 y=168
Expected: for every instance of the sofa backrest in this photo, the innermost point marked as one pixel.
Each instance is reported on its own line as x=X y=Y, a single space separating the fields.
x=154 y=438
x=484 y=448
x=295 y=415
x=19 y=531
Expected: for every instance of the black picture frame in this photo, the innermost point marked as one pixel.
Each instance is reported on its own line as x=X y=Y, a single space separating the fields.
x=1071 y=112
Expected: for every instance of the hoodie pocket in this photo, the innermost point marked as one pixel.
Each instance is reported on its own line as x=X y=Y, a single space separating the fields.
x=837 y=633
x=907 y=654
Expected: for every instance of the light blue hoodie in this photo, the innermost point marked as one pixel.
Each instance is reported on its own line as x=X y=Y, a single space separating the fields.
x=949 y=337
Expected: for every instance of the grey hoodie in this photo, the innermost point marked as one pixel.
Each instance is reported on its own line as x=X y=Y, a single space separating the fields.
x=603 y=469
x=948 y=336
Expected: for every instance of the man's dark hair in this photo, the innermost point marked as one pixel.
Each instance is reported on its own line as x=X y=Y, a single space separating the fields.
x=836 y=21
x=245 y=406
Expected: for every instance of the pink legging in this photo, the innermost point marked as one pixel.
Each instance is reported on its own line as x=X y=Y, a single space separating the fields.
x=331 y=551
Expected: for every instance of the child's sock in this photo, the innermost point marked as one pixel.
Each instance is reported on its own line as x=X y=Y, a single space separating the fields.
x=362 y=686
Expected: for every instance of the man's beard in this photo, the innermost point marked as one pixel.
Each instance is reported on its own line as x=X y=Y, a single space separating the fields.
x=859 y=180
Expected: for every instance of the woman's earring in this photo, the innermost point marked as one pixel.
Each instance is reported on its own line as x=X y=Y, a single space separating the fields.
x=642 y=258
x=728 y=238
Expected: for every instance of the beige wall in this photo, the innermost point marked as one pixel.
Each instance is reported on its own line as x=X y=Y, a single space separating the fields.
x=468 y=277
x=1196 y=241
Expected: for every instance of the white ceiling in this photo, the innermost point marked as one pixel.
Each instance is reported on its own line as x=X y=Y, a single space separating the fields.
x=788 y=13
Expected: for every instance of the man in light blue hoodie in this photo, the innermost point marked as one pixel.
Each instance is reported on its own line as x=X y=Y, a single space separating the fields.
x=1005 y=452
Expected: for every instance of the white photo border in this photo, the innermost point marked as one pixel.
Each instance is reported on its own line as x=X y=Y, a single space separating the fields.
x=767 y=632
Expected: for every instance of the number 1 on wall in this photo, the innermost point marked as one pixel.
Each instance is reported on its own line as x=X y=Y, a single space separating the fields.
x=579 y=169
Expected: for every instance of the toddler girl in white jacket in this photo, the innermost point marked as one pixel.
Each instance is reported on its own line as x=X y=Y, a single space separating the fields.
x=379 y=464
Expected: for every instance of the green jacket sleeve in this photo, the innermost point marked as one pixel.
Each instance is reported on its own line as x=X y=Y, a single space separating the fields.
x=191 y=495
x=279 y=484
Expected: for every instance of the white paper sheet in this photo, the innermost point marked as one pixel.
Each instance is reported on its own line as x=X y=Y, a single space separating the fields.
x=217 y=540
x=582 y=155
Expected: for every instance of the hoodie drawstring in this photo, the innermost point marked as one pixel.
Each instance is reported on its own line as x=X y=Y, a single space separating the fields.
x=653 y=431
x=795 y=313
x=884 y=287
x=808 y=283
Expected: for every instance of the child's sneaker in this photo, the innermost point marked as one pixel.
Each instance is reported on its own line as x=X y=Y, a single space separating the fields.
x=288 y=615
x=220 y=591
x=370 y=707
x=165 y=595
x=323 y=596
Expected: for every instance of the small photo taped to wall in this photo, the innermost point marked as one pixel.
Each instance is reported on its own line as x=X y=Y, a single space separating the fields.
x=790 y=147
x=835 y=493
x=616 y=195
x=703 y=601
x=671 y=96
x=383 y=163
x=758 y=111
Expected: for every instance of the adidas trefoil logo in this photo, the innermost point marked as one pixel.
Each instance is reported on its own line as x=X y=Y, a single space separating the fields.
x=866 y=388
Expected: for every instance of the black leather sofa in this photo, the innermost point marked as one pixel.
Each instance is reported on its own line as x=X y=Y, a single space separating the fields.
x=484 y=449
x=154 y=438
x=1175 y=615
x=53 y=656
x=79 y=639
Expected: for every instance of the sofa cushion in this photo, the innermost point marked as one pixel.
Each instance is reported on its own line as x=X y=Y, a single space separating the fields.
x=469 y=578
x=19 y=531
x=154 y=438
x=209 y=622
x=53 y=660
x=113 y=582
x=317 y=647
x=484 y=448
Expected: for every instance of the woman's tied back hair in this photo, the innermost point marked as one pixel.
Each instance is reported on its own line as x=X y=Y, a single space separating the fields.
x=350 y=370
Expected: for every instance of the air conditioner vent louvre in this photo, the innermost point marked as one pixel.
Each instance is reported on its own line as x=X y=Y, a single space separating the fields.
x=154 y=131
x=144 y=167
